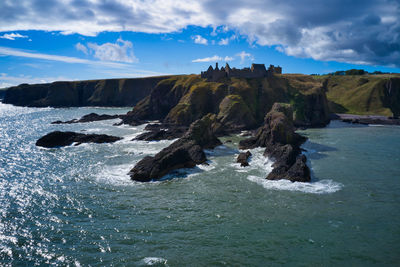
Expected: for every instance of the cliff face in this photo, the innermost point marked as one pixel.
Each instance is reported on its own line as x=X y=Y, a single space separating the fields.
x=364 y=95
x=111 y=92
x=238 y=103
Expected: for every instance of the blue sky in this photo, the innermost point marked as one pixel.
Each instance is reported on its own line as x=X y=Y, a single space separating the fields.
x=41 y=42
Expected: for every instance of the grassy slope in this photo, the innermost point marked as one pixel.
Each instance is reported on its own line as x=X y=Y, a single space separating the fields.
x=361 y=95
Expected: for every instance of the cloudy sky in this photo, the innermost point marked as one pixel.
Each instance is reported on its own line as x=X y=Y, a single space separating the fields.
x=47 y=40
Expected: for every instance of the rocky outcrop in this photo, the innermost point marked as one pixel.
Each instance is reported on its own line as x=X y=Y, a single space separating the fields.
x=89 y=118
x=111 y=92
x=238 y=103
x=367 y=119
x=243 y=158
x=59 y=139
x=282 y=144
x=157 y=132
x=186 y=152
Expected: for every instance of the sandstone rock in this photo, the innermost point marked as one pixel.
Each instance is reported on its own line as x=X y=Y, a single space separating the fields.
x=186 y=152
x=282 y=144
x=58 y=139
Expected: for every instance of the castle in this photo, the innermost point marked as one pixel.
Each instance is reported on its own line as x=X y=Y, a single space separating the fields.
x=256 y=71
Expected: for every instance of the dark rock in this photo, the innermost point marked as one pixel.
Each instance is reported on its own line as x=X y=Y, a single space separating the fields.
x=89 y=118
x=278 y=128
x=162 y=132
x=282 y=144
x=58 y=139
x=243 y=158
x=110 y=92
x=186 y=152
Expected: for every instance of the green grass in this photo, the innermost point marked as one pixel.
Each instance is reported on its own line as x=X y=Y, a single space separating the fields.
x=362 y=95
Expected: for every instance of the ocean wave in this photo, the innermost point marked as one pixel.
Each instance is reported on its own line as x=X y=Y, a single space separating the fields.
x=318 y=187
x=154 y=261
x=8 y=110
x=115 y=174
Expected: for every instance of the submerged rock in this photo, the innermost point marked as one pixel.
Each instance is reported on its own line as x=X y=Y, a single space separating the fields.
x=89 y=118
x=58 y=139
x=282 y=143
x=243 y=158
x=186 y=152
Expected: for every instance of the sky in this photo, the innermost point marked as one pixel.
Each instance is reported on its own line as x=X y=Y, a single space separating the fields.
x=47 y=40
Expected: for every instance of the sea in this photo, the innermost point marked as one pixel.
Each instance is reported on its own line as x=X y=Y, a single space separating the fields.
x=76 y=205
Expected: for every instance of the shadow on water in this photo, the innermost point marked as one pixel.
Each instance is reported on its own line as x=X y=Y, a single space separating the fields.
x=316 y=151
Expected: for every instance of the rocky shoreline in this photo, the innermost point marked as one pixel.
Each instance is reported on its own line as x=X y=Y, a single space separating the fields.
x=366 y=119
x=196 y=112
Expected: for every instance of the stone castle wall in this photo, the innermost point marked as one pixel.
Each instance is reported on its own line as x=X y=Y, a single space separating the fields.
x=256 y=71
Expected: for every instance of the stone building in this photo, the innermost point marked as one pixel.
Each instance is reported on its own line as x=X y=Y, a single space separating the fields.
x=256 y=71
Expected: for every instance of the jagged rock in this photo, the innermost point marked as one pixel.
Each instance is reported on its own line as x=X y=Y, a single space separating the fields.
x=110 y=92
x=282 y=144
x=89 y=118
x=243 y=158
x=235 y=114
x=278 y=128
x=58 y=139
x=158 y=132
x=186 y=152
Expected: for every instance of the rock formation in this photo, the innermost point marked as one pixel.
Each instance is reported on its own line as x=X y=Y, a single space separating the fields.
x=186 y=152
x=282 y=144
x=110 y=93
x=59 y=139
x=243 y=158
x=89 y=118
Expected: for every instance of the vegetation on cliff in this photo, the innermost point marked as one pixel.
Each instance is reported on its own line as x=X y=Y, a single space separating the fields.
x=238 y=103
x=111 y=92
x=363 y=95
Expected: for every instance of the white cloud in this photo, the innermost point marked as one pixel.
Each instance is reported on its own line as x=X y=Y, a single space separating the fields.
x=198 y=39
x=244 y=55
x=12 y=36
x=29 y=54
x=82 y=48
x=213 y=59
x=225 y=41
x=121 y=51
x=8 y=81
x=324 y=32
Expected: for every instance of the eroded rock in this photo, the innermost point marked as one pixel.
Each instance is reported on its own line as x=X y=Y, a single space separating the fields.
x=243 y=158
x=282 y=144
x=186 y=152
x=59 y=139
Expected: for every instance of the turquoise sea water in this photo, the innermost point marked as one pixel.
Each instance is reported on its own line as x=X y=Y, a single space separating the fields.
x=77 y=206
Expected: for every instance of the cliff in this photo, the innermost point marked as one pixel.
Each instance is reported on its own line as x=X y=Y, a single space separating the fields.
x=110 y=92
x=363 y=94
x=238 y=103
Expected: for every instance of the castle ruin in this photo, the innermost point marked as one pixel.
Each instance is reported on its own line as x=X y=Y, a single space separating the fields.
x=256 y=71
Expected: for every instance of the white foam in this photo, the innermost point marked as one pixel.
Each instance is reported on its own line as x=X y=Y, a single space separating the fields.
x=115 y=174
x=8 y=110
x=319 y=187
x=154 y=260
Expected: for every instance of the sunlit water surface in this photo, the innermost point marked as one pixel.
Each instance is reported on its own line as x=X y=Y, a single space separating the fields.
x=77 y=206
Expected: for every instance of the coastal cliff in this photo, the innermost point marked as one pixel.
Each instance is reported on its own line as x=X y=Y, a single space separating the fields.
x=238 y=103
x=109 y=92
x=363 y=94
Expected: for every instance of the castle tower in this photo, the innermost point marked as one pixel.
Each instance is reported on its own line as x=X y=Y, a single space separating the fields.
x=216 y=66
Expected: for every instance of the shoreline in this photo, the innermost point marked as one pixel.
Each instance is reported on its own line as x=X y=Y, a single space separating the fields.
x=365 y=119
